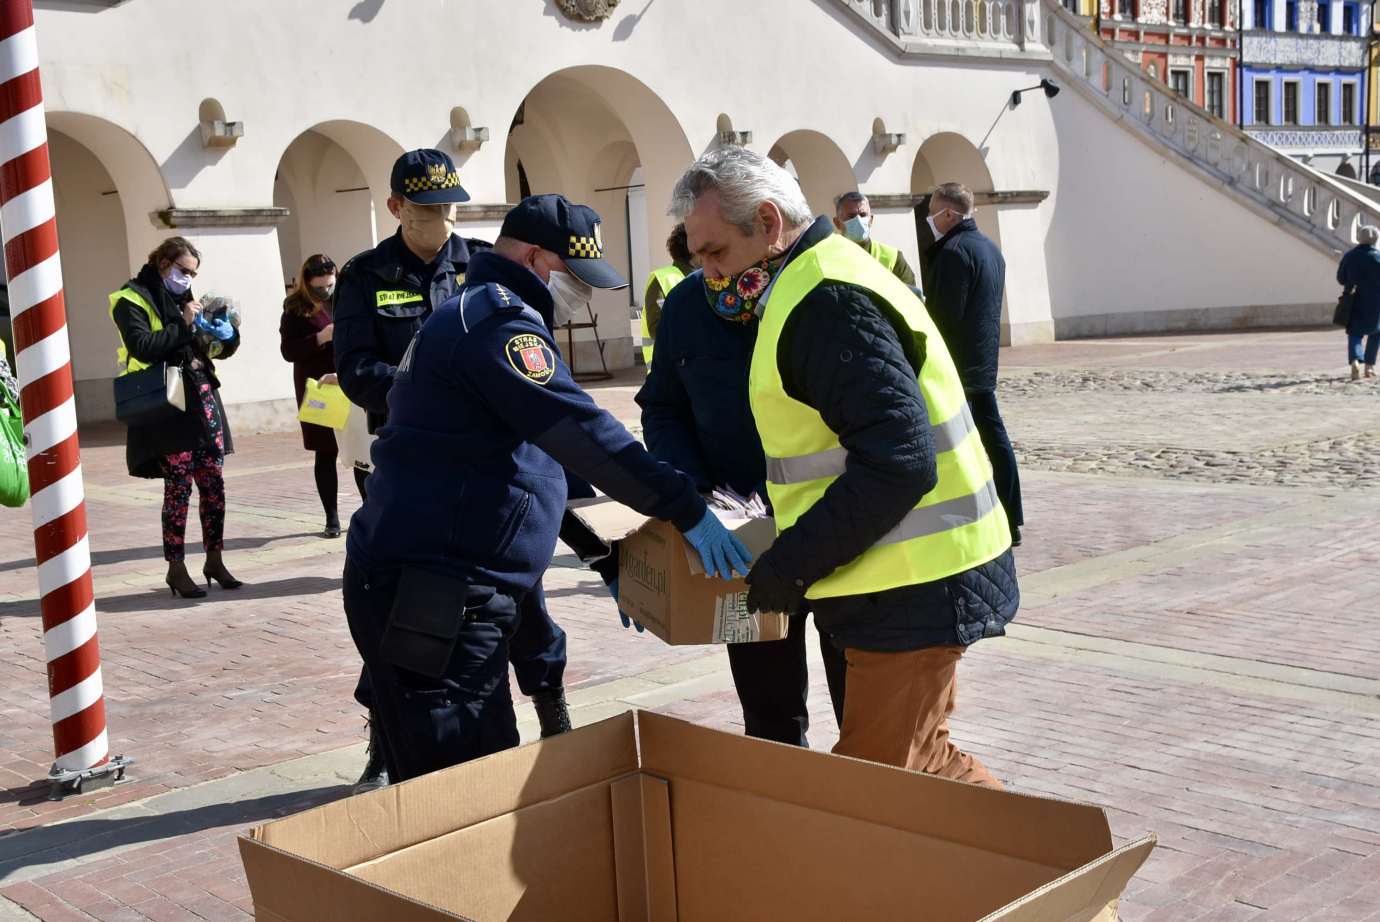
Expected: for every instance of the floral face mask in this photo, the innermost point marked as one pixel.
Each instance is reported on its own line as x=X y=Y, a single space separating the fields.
x=735 y=297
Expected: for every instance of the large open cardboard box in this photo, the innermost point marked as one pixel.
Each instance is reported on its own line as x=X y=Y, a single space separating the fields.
x=644 y=817
x=662 y=584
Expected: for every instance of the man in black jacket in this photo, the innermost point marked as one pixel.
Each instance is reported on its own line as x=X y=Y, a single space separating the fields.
x=848 y=357
x=695 y=416
x=965 y=278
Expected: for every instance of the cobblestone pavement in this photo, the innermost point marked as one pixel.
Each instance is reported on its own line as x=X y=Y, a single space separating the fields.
x=1198 y=649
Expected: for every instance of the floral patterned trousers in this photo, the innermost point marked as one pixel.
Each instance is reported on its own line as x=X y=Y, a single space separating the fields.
x=204 y=467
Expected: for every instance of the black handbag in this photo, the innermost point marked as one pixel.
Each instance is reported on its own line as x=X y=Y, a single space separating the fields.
x=152 y=395
x=1341 y=315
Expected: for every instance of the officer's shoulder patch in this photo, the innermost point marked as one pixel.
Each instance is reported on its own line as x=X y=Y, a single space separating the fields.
x=502 y=298
x=531 y=357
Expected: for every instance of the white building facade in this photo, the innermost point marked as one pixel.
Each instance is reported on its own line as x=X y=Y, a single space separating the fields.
x=264 y=130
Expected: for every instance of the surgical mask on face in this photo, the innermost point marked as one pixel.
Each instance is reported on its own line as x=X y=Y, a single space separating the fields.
x=322 y=292
x=428 y=228
x=567 y=295
x=177 y=281
x=855 y=228
x=934 y=228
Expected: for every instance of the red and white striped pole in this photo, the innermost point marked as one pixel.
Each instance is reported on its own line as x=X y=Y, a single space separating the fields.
x=44 y=366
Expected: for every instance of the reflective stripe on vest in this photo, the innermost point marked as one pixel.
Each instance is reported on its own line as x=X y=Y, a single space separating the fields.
x=832 y=461
x=124 y=361
x=666 y=277
x=886 y=255
x=957 y=525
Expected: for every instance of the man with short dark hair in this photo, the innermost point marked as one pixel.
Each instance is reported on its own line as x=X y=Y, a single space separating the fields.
x=853 y=219
x=965 y=279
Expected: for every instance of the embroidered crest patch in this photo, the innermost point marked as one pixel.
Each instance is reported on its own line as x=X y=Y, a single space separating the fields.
x=531 y=357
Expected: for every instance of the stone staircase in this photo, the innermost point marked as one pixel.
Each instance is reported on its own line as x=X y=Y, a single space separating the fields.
x=1321 y=210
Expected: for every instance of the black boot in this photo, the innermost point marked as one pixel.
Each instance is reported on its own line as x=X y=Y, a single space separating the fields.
x=375 y=769
x=552 y=713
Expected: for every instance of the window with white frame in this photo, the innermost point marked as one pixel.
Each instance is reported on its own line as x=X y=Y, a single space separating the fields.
x=1348 y=104
x=1261 y=111
x=1216 y=96
x=1290 y=103
x=1181 y=82
x=1322 y=103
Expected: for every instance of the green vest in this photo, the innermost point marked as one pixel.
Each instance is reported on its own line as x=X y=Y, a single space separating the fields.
x=667 y=277
x=128 y=363
x=957 y=525
x=884 y=254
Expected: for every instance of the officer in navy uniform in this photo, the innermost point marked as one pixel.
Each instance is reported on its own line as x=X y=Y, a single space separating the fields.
x=468 y=491
x=382 y=298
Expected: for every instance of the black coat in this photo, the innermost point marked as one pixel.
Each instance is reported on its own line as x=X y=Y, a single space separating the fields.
x=965 y=276
x=297 y=344
x=695 y=411
x=843 y=354
x=146 y=446
x=1361 y=267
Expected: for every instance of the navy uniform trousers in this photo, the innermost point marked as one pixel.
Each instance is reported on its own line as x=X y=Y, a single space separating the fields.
x=467 y=712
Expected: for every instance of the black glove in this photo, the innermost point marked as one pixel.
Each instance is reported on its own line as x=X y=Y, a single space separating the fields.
x=769 y=591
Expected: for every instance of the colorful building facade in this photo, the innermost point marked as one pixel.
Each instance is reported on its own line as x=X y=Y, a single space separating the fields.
x=1304 y=79
x=1188 y=44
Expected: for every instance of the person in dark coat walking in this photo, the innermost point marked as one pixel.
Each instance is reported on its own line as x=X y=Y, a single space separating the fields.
x=1360 y=268
x=305 y=333
x=964 y=280
x=156 y=316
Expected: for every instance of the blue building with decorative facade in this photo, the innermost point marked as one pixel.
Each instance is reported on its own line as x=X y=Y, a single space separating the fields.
x=1303 y=78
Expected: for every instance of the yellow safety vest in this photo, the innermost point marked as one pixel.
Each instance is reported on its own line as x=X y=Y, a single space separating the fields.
x=957 y=525
x=886 y=255
x=128 y=363
x=667 y=277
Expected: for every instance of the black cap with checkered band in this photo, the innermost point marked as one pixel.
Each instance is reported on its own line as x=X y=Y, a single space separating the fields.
x=427 y=177
x=570 y=231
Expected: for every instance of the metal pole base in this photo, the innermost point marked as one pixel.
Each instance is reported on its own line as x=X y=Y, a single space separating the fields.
x=108 y=774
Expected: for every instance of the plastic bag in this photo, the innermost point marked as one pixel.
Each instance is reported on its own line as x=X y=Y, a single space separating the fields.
x=324 y=405
x=14 y=465
x=354 y=442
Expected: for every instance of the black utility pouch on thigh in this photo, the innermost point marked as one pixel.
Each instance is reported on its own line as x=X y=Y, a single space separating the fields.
x=429 y=609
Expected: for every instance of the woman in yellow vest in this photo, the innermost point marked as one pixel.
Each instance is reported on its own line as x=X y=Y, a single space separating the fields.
x=888 y=524
x=157 y=318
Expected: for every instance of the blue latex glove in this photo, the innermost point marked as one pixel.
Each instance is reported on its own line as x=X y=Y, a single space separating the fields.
x=613 y=591
x=720 y=551
x=221 y=329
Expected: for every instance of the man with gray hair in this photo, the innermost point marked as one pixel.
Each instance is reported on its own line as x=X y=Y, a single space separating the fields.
x=888 y=524
x=853 y=218
x=965 y=280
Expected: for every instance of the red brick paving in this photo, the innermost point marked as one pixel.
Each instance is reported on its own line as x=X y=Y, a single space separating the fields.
x=1266 y=804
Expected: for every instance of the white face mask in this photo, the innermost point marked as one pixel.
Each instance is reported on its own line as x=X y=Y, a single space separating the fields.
x=568 y=294
x=855 y=228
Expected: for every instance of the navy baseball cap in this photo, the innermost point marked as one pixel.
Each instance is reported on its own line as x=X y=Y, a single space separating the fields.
x=427 y=177
x=570 y=231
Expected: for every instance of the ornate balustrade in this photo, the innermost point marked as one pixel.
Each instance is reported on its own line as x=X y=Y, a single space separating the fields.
x=1296 y=196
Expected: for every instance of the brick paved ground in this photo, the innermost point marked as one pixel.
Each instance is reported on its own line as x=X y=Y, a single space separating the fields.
x=1198 y=650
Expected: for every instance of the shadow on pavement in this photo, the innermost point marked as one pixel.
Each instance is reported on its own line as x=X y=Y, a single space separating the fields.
x=162 y=599
x=80 y=838
x=155 y=551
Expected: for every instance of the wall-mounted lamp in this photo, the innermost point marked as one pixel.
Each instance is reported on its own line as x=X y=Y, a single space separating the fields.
x=469 y=139
x=221 y=134
x=886 y=142
x=1051 y=89
x=735 y=138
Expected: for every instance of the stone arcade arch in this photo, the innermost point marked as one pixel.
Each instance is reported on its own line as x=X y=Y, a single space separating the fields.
x=819 y=164
x=599 y=135
x=333 y=179
x=107 y=188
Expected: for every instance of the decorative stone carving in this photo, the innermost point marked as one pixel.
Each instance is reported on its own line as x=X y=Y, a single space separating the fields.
x=587 y=10
x=1323 y=51
x=1154 y=12
x=1311 y=139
